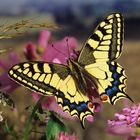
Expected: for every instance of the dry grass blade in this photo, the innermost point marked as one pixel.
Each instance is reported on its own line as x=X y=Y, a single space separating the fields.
x=21 y=27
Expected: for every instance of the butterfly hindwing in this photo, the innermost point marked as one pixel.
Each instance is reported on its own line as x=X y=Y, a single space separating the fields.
x=53 y=79
x=105 y=44
x=111 y=79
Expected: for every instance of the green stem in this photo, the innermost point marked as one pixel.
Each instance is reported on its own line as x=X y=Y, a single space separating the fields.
x=28 y=126
x=10 y=131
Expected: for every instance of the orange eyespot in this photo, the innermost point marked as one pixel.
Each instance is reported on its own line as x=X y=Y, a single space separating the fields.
x=104 y=97
x=90 y=105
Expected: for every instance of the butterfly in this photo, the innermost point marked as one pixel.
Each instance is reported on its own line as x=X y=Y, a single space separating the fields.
x=96 y=66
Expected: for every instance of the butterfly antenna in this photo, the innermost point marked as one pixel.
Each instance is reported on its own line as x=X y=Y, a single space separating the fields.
x=68 y=47
x=59 y=51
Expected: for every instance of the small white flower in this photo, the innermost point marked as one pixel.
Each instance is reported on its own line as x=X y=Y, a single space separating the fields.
x=1 y=118
x=4 y=103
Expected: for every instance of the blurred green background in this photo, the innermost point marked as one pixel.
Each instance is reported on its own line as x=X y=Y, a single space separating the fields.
x=78 y=19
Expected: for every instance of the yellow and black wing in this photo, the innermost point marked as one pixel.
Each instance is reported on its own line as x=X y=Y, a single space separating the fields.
x=105 y=43
x=111 y=80
x=53 y=79
x=98 y=57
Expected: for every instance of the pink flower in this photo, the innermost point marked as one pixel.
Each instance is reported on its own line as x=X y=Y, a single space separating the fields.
x=57 y=51
x=52 y=53
x=125 y=122
x=134 y=137
x=64 y=136
x=6 y=83
x=30 y=52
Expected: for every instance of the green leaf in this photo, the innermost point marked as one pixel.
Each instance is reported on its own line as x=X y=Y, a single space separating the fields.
x=40 y=113
x=9 y=130
x=28 y=126
x=54 y=127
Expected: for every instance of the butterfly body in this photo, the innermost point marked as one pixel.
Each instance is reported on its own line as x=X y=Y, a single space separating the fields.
x=77 y=73
x=95 y=73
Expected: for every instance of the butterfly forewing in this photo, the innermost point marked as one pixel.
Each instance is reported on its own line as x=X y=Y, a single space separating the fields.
x=105 y=44
x=53 y=79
